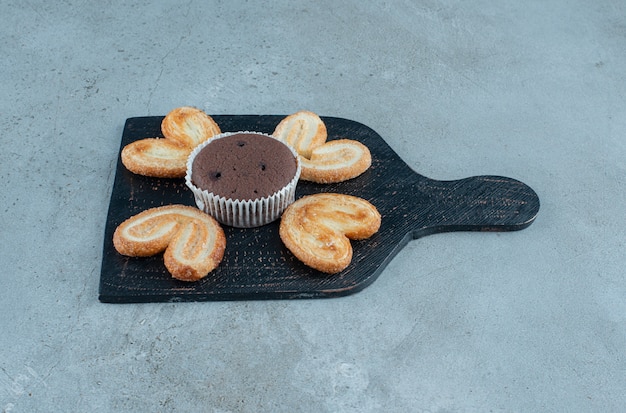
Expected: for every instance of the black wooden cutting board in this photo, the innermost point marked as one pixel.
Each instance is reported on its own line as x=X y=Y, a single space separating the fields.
x=256 y=264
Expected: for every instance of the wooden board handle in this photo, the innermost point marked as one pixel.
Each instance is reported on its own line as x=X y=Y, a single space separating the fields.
x=479 y=203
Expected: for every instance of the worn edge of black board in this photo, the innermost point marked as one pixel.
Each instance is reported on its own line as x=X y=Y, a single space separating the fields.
x=411 y=205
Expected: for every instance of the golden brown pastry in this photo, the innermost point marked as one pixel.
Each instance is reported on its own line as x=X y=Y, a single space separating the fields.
x=336 y=161
x=322 y=162
x=318 y=228
x=183 y=129
x=303 y=131
x=193 y=241
x=156 y=157
x=188 y=126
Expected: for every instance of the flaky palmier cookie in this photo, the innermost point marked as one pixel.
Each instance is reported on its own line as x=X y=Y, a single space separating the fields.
x=303 y=131
x=183 y=129
x=189 y=126
x=318 y=228
x=322 y=162
x=192 y=241
x=336 y=161
x=156 y=157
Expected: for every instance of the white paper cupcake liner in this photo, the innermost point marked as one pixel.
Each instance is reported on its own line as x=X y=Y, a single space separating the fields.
x=243 y=213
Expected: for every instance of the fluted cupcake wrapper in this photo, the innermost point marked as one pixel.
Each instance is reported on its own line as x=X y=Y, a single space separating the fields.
x=243 y=213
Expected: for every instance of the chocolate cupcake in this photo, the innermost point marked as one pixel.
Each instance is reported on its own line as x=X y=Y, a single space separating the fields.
x=243 y=179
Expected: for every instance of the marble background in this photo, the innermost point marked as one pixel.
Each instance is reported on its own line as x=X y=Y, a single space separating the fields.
x=462 y=322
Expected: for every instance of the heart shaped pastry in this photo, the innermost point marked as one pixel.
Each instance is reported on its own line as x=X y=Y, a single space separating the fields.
x=322 y=162
x=336 y=161
x=156 y=157
x=188 y=126
x=192 y=241
x=183 y=129
x=303 y=131
x=318 y=228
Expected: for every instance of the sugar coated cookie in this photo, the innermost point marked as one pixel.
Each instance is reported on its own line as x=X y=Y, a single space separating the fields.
x=192 y=241
x=318 y=228
x=336 y=161
x=183 y=129
x=303 y=131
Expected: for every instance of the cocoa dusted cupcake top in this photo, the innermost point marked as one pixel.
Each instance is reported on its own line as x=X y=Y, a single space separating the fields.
x=243 y=166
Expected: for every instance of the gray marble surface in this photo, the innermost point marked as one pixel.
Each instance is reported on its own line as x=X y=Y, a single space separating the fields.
x=529 y=321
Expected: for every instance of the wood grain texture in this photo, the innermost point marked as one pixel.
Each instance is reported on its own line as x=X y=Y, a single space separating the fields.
x=257 y=265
